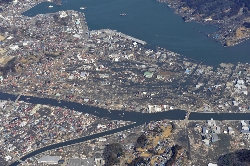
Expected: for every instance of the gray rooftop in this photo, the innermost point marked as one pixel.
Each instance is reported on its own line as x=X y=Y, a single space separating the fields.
x=80 y=162
x=49 y=159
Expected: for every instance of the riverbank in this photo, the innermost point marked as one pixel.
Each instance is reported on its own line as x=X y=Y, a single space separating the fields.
x=128 y=116
x=139 y=118
x=29 y=127
x=55 y=146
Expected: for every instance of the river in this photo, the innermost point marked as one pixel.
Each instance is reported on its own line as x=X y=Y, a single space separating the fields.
x=71 y=142
x=139 y=118
x=156 y=24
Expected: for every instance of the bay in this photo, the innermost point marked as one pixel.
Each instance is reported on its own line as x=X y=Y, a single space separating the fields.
x=156 y=24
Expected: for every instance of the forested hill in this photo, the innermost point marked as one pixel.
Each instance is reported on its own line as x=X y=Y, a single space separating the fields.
x=222 y=8
x=232 y=17
x=238 y=158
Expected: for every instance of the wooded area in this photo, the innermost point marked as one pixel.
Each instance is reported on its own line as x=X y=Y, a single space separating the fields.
x=218 y=8
x=238 y=158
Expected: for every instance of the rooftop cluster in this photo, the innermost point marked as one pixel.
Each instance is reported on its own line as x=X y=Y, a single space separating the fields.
x=27 y=127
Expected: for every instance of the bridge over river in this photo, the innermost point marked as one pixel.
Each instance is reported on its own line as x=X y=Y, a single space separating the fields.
x=138 y=118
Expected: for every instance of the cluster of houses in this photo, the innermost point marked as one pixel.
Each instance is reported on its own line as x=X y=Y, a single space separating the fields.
x=210 y=132
x=245 y=128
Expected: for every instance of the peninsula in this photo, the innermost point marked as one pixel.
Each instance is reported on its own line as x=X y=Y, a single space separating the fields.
x=56 y=56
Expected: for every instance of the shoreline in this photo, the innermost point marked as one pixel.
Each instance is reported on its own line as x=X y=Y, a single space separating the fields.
x=218 y=23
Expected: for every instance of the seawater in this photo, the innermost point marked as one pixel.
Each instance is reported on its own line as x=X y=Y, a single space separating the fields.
x=156 y=24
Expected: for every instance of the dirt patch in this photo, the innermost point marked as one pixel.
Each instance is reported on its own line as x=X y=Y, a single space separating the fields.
x=145 y=155
x=166 y=131
x=241 y=32
x=156 y=140
x=2 y=51
x=5 y=59
x=2 y=38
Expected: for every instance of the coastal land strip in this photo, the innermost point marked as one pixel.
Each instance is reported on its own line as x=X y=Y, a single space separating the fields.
x=232 y=17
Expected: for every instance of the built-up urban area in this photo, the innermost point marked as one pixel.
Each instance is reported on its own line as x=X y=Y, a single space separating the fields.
x=56 y=56
x=27 y=127
x=157 y=143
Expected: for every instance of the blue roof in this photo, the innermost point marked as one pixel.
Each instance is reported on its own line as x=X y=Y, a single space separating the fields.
x=187 y=71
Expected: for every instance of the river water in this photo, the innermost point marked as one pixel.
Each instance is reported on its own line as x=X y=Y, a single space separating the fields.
x=139 y=118
x=154 y=23
x=71 y=142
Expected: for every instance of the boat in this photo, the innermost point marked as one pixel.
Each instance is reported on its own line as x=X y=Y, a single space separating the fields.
x=82 y=8
x=50 y=6
x=123 y=14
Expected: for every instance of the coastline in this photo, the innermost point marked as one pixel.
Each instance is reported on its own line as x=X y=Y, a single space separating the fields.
x=225 y=42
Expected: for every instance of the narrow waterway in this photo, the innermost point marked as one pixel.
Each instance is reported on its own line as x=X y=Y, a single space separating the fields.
x=139 y=118
x=75 y=141
x=100 y=112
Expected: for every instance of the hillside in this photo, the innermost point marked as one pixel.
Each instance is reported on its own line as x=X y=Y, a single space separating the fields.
x=218 y=9
x=232 y=17
x=240 y=158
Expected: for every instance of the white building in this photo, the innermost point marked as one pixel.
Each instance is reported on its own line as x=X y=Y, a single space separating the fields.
x=49 y=159
x=211 y=164
x=63 y=14
x=211 y=122
x=101 y=139
x=230 y=130
x=14 y=47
